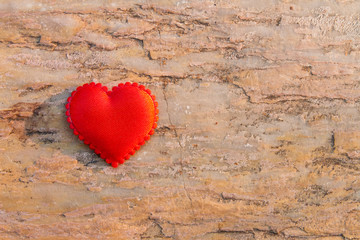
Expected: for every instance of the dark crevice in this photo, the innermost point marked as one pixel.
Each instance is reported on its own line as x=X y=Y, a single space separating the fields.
x=31 y=132
x=332 y=141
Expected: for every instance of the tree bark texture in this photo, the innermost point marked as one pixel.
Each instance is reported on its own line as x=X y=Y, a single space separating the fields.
x=259 y=129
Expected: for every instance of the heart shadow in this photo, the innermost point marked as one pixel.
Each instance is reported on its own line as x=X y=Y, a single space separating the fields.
x=48 y=128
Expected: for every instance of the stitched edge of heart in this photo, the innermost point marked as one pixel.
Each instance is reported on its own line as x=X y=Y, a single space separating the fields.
x=91 y=146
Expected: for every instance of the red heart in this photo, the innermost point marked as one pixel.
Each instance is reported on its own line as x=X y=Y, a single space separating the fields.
x=113 y=123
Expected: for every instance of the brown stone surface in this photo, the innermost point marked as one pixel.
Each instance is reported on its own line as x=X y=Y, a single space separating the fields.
x=258 y=137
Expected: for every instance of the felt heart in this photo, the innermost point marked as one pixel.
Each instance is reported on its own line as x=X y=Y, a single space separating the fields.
x=113 y=123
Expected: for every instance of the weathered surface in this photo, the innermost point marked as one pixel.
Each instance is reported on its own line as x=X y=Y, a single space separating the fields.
x=259 y=130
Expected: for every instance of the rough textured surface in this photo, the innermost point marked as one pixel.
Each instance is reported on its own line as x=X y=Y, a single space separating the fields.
x=258 y=137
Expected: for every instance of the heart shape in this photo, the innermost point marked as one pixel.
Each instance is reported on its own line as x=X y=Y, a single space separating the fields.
x=113 y=123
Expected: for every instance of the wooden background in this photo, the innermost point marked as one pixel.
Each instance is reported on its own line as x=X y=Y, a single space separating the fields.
x=259 y=130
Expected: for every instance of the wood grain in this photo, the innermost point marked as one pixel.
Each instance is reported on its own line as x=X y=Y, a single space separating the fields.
x=258 y=136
